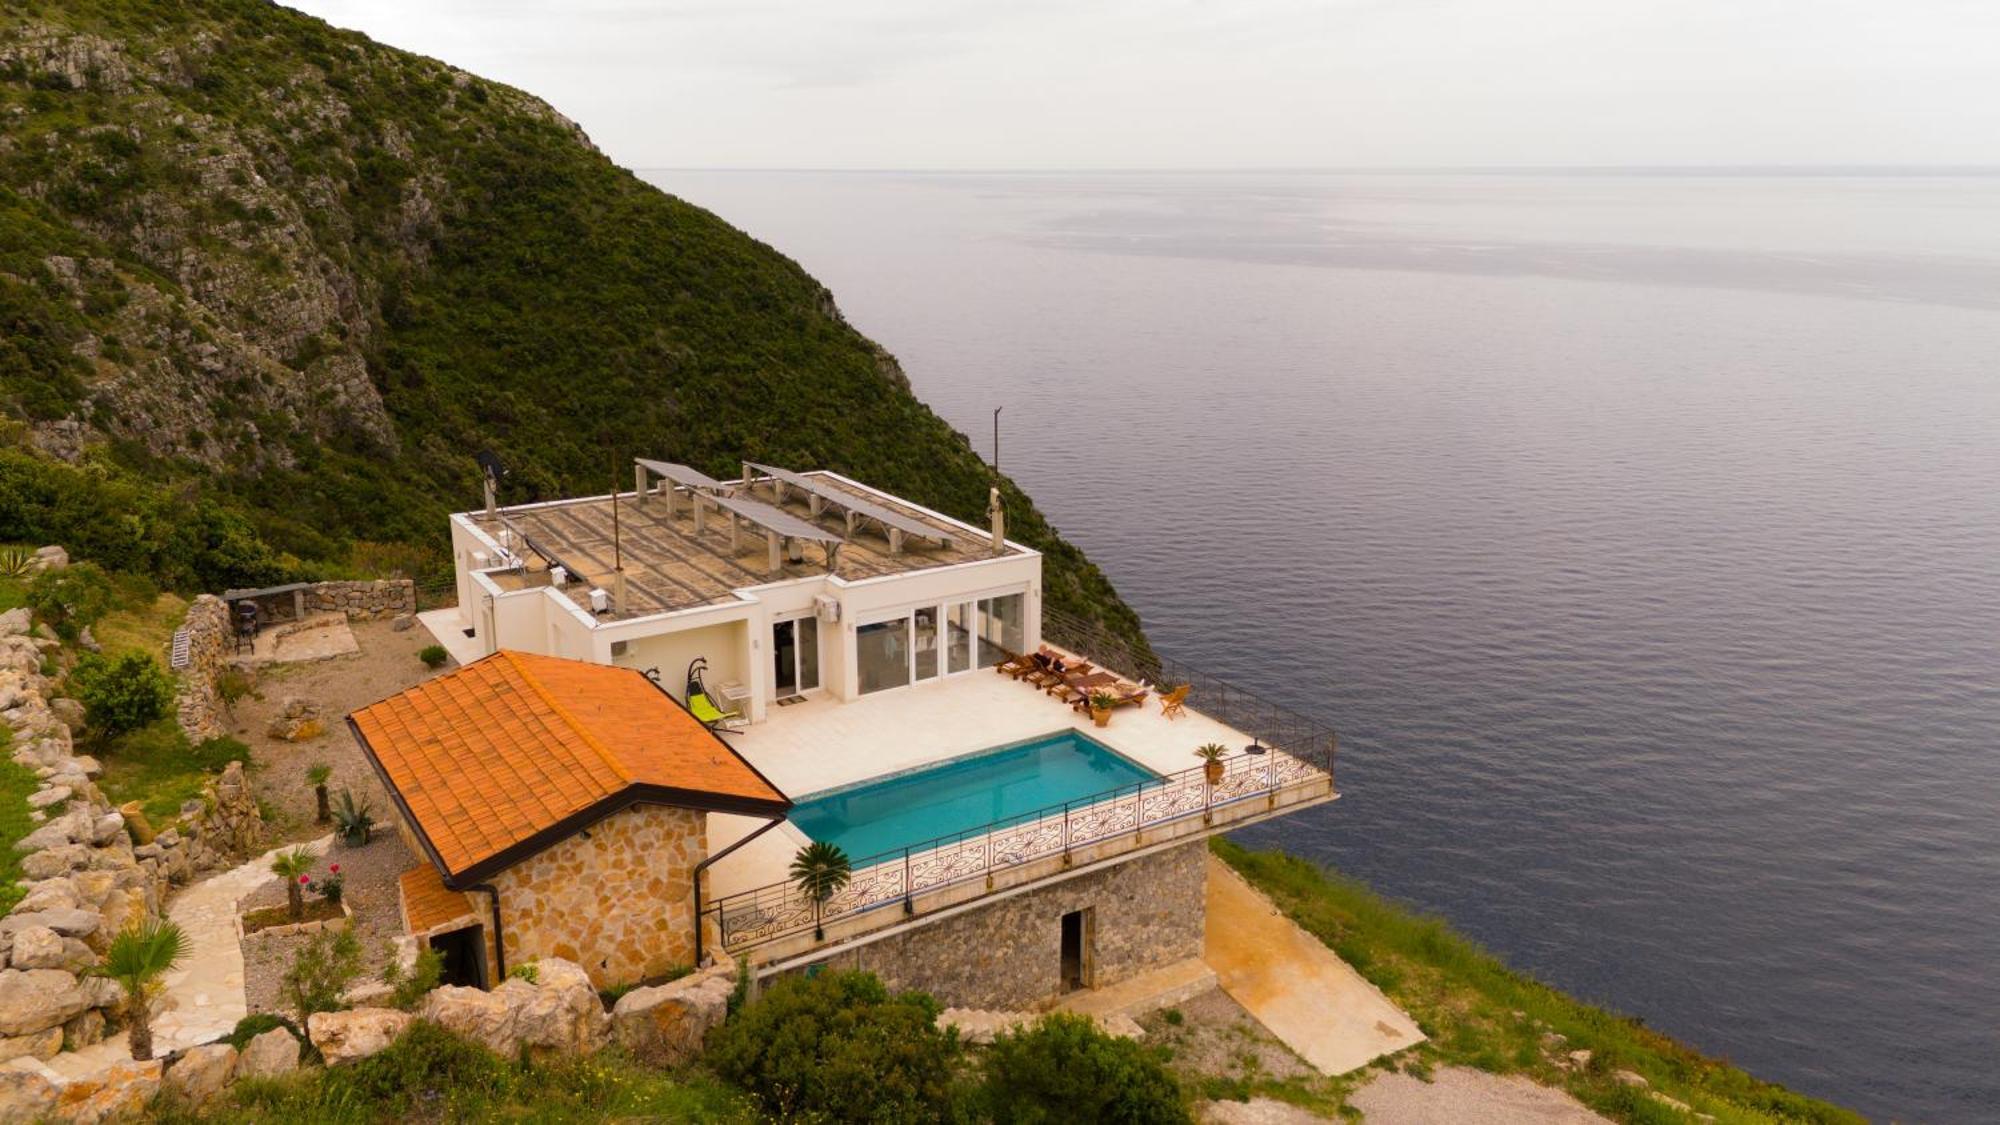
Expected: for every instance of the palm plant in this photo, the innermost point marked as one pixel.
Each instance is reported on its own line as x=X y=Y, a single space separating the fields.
x=1211 y=754
x=137 y=958
x=294 y=866
x=820 y=870
x=353 y=822
x=317 y=777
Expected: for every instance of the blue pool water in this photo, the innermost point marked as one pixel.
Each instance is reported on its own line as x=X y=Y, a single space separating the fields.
x=966 y=793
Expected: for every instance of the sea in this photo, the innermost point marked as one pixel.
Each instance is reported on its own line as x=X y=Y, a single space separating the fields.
x=1638 y=530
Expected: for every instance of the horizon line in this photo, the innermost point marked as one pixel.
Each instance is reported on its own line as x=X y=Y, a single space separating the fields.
x=1828 y=169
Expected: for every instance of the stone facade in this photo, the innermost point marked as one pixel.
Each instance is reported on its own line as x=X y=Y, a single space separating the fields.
x=199 y=704
x=1006 y=954
x=364 y=601
x=617 y=899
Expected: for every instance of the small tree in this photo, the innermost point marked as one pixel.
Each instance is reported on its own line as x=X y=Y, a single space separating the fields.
x=294 y=866
x=821 y=870
x=1064 y=1068
x=317 y=776
x=122 y=693
x=321 y=971
x=433 y=656
x=70 y=599
x=137 y=958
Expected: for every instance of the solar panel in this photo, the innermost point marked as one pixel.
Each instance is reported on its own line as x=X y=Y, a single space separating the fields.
x=848 y=501
x=681 y=474
x=773 y=519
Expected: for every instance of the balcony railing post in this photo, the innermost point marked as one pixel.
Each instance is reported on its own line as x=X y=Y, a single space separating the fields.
x=1065 y=838
x=909 y=892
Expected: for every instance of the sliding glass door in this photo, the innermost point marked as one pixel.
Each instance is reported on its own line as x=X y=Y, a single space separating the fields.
x=938 y=640
x=795 y=656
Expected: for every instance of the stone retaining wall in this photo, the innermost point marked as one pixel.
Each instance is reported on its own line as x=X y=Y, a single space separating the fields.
x=198 y=707
x=364 y=601
x=1006 y=954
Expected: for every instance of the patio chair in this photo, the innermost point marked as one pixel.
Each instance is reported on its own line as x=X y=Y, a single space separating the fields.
x=1123 y=695
x=713 y=717
x=1015 y=665
x=1173 y=704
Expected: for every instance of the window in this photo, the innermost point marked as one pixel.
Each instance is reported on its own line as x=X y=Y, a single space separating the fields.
x=882 y=655
x=958 y=637
x=926 y=642
x=999 y=626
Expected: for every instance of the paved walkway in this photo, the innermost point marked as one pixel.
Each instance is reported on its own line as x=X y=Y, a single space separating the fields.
x=203 y=999
x=1294 y=984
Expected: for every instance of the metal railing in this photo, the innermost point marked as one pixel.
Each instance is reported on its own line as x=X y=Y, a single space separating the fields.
x=1298 y=754
x=893 y=878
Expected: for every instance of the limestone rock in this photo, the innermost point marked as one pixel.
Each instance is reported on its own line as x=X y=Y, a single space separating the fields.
x=977 y=1026
x=67 y=921
x=84 y=1030
x=273 y=1053
x=481 y=1016
x=560 y=1014
x=50 y=558
x=1630 y=1078
x=65 y=829
x=51 y=862
x=38 y=947
x=666 y=1025
x=34 y=999
x=49 y=894
x=16 y=622
x=25 y=1096
x=69 y=712
x=202 y=1072
x=42 y=1044
x=297 y=719
x=346 y=1036
x=43 y=798
x=115 y=1095
x=106 y=828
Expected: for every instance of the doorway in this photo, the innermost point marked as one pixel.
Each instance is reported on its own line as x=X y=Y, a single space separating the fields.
x=1076 y=934
x=794 y=656
x=462 y=956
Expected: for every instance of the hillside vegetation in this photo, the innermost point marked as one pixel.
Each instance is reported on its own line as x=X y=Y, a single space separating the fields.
x=266 y=288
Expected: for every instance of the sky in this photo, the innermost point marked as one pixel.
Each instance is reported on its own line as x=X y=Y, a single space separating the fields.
x=1219 y=84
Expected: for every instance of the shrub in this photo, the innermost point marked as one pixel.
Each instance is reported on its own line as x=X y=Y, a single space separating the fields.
x=839 y=1047
x=424 y=1065
x=232 y=685
x=251 y=1026
x=321 y=971
x=407 y=987
x=72 y=598
x=1064 y=1068
x=433 y=656
x=122 y=693
x=527 y=972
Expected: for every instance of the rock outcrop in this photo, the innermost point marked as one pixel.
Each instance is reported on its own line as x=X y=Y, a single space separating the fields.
x=666 y=1024
x=117 y=1094
x=269 y=1055
x=343 y=1037
x=560 y=1014
x=202 y=1072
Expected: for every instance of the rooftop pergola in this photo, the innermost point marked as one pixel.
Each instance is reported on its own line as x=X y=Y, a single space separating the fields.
x=780 y=527
x=855 y=510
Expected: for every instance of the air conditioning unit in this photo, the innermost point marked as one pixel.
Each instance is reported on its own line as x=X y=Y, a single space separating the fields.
x=558 y=577
x=600 y=602
x=619 y=648
x=826 y=607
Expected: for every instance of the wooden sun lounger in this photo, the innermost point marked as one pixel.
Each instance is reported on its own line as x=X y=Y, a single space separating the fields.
x=1124 y=695
x=1079 y=685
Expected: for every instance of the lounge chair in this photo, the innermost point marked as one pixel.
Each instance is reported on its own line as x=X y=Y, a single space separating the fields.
x=1173 y=703
x=1123 y=695
x=1058 y=671
x=1015 y=665
x=713 y=717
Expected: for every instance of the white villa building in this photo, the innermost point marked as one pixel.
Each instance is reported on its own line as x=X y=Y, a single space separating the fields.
x=879 y=661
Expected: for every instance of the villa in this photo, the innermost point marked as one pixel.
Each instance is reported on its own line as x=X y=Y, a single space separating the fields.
x=665 y=694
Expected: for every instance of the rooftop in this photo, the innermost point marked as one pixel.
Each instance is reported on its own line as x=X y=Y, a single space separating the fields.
x=496 y=760
x=669 y=565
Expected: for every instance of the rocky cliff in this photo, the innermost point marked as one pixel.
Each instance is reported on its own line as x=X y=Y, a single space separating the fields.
x=280 y=269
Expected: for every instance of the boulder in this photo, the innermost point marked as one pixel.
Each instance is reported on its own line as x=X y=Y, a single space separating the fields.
x=66 y=920
x=39 y=947
x=297 y=720
x=25 y=1096
x=55 y=861
x=346 y=1036
x=202 y=1072
x=106 y=828
x=560 y=1014
x=43 y=798
x=16 y=622
x=65 y=829
x=117 y=1094
x=69 y=712
x=665 y=1025
x=481 y=1016
x=84 y=1030
x=87 y=765
x=42 y=1044
x=50 y=558
x=273 y=1053
x=33 y=999
x=50 y=894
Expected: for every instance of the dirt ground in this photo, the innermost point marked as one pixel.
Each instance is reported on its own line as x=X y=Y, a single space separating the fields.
x=370 y=875
x=1456 y=1093
x=386 y=664
x=1216 y=1037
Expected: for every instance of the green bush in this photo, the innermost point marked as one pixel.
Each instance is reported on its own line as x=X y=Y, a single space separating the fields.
x=71 y=599
x=408 y=987
x=1064 y=1068
x=251 y=1026
x=424 y=1063
x=433 y=656
x=839 y=1047
x=122 y=693
x=321 y=971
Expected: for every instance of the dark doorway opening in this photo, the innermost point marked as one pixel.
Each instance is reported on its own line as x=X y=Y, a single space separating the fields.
x=463 y=956
x=1075 y=950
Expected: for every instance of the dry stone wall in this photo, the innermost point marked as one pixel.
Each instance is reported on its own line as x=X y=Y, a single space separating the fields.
x=364 y=601
x=1007 y=954
x=198 y=707
x=618 y=901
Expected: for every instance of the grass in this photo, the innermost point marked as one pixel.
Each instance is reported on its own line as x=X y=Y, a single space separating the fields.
x=1481 y=1014
x=17 y=782
x=430 y=1075
x=160 y=769
x=13 y=593
x=143 y=625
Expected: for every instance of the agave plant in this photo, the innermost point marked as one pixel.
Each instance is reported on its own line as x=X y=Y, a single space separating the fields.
x=15 y=562
x=820 y=869
x=294 y=866
x=137 y=958
x=353 y=821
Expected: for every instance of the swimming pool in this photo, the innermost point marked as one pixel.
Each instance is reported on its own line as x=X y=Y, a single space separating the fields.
x=965 y=793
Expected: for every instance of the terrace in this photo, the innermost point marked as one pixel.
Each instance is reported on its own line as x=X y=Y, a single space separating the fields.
x=821 y=745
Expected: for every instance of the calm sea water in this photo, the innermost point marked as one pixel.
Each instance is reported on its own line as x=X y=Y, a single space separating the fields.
x=1640 y=535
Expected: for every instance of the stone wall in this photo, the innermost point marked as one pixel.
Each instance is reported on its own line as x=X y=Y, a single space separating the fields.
x=199 y=704
x=1007 y=954
x=619 y=901
x=363 y=601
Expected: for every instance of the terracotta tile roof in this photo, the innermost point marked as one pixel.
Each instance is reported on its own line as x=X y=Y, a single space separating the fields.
x=490 y=756
x=427 y=903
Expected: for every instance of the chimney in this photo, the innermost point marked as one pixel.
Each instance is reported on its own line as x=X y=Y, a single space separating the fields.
x=492 y=499
x=618 y=592
x=998 y=515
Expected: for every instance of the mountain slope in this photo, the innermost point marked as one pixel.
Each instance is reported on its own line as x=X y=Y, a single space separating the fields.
x=258 y=269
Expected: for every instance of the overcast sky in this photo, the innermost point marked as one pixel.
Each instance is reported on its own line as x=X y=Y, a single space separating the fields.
x=1234 y=83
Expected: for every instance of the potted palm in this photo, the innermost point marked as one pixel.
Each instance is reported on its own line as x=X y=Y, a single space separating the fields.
x=820 y=870
x=294 y=866
x=1101 y=703
x=136 y=959
x=1211 y=754
x=317 y=777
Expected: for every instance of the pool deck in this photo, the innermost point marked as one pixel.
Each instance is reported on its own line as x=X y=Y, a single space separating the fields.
x=823 y=744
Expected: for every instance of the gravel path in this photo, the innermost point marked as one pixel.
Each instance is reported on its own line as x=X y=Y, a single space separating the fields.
x=370 y=875
x=1460 y=1094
